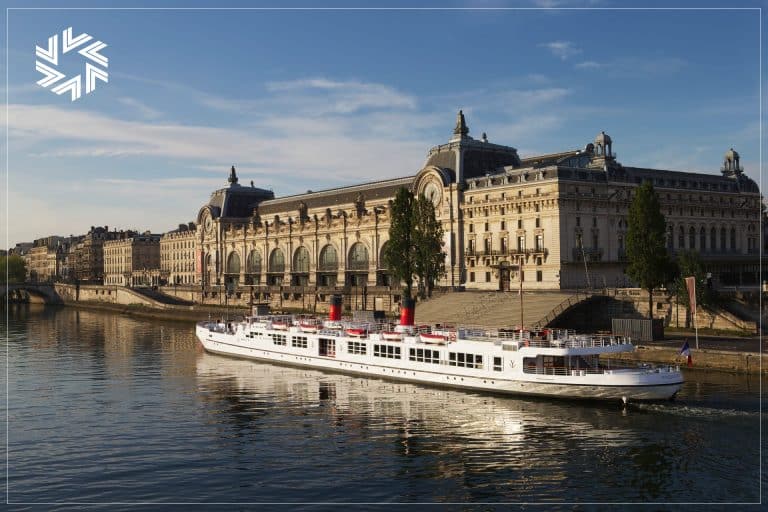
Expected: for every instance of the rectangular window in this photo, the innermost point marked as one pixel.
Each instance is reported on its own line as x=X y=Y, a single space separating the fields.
x=578 y=221
x=538 y=222
x=279 y=339
x=519 y=223
x=327 y=347
x=423 y=355
x=472 y=277
x=387 y=351
x=299 y=341
x=471 y=228
x=538 y=275
x=357 y=347
x=465 y=360
x=487 y=277
x=497 y=364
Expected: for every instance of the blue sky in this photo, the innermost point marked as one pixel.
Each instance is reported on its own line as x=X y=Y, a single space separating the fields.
x=314 y=99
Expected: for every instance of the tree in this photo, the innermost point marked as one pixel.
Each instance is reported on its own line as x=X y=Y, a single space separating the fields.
x=414 y=250
x=12 y=269
x=399 y=254
x=428 y=241
x=649 y=262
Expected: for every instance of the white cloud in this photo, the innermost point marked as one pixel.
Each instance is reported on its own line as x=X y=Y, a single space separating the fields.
x=142 y=109
x=589 y=64
x=345 y=97
x=562 y=49
x=636 y=65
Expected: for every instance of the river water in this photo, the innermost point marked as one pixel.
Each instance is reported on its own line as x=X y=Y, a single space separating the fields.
x=109 y=409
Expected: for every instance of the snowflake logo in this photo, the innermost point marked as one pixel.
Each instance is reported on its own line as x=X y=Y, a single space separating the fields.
x=95 y=69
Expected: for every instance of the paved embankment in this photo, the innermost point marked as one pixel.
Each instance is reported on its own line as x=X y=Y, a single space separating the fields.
x=182 y=313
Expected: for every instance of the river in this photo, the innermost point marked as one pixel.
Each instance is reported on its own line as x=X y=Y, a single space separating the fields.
x=110 y=409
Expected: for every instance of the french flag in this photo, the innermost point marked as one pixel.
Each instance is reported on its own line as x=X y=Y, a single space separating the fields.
x=686 y=352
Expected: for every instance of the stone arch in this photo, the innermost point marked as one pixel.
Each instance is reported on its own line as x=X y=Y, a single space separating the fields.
x=253 y=264
x=301 y=260
x=329 y=259
x=358 y=257
x=276 y=261
x=233 y=263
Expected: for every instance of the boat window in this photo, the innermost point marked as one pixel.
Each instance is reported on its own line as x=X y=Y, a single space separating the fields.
x=279 y=339
x=387 y=351
x=465 y=360
x=299 y=341
x=327 y=347
x=424 y=355
x=356 y=347
x=529 y=365
x=497 y=364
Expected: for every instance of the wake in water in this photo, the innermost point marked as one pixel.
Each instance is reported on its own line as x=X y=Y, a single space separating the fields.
x=680 y=408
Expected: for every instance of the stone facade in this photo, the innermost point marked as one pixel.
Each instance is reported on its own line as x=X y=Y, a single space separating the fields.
x=133 y=260
x=557 y=221
x=88 y=255
x=44 y=259
x=177 y=255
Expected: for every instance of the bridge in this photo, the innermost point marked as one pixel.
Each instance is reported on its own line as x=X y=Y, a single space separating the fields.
x=30 y=292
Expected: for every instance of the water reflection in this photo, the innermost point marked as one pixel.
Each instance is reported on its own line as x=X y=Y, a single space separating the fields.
x=105 y=407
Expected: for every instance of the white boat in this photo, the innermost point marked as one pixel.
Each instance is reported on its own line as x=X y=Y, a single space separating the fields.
x=555 y=363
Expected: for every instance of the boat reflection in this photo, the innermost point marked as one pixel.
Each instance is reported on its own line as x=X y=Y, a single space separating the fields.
x=494 y=431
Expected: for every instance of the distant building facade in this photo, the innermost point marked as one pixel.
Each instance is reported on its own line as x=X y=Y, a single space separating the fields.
x=553 y=221
x=177 y=255
x=132 y=260
x=43 y=260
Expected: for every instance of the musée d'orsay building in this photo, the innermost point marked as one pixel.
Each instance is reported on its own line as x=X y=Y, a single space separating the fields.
x=556 y=221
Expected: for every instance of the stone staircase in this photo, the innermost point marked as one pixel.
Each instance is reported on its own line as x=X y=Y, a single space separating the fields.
x=488 y=309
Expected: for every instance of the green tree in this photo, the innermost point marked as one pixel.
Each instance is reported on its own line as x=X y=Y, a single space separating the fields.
x=428 y=242
x=13 y=269
x=647 y=256
x=689 y=264
x=414 y=250
x=399 y=254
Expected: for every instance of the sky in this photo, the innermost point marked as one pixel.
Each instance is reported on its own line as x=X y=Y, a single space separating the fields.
x=315 y=99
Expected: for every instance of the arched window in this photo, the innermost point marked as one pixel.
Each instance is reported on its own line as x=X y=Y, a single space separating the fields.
x=733 y=238
x=301 y=260
x=692 y=238
x=713 y=239
x=382 y=259
x=703 y=238
x=328 y=259
x=358 y=257
x=277 y=262
x=681 y=238
x=233 y=263
x=253 y=266
x=722 y=239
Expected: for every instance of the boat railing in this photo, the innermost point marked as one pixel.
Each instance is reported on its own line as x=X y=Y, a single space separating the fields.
x=601 y=370
x=578 y=342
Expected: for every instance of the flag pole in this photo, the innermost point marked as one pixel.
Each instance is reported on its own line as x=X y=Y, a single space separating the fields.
x=695 y=328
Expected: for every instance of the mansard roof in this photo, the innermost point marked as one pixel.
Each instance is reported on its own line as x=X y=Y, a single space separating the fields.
x=334 y=197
